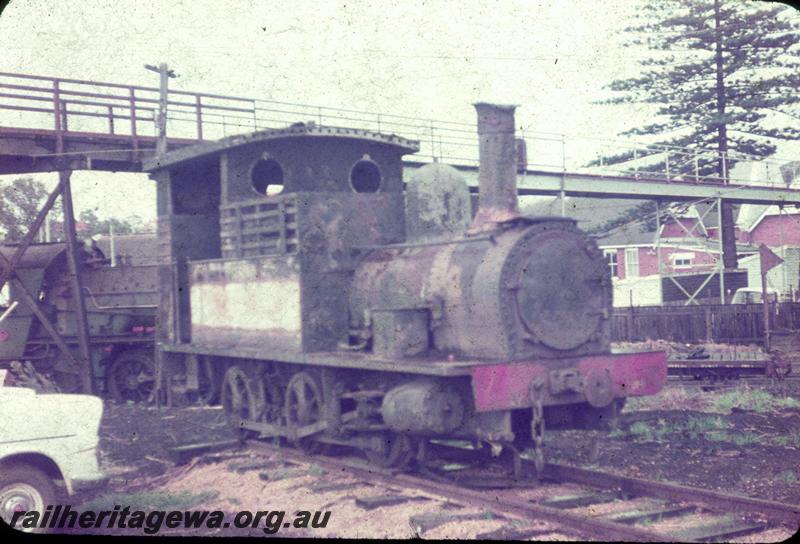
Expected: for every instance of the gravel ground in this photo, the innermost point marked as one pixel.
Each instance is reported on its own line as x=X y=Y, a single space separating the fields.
x=746 y=441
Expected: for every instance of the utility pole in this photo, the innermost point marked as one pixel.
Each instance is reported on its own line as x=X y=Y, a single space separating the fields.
x=165 y=73
x=161 y=149
x=726 y=227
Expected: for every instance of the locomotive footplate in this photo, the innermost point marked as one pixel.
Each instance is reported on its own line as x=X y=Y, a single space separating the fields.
x=596 y=379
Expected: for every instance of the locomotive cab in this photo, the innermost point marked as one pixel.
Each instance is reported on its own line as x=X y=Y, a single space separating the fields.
x=293 y=204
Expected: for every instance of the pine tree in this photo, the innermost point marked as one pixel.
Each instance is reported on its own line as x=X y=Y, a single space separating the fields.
x=729 y=82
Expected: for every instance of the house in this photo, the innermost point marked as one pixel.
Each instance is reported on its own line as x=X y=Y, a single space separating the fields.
x=779 y=230
x=685 y=250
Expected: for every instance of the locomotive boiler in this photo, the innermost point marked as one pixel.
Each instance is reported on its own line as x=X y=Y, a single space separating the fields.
x=337 y=304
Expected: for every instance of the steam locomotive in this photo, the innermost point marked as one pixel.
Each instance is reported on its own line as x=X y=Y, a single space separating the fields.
x=335 y=304
x=120 y=304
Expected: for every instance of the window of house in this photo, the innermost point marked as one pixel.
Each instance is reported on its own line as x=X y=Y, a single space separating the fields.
x=613 y=264
x=632 y=262
x=682 y=260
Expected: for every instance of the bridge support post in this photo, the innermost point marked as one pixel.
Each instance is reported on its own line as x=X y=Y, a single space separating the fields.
x=74 y=263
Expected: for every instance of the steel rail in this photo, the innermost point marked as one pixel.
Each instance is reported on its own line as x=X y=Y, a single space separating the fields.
x=714 y=500
x=591 y=527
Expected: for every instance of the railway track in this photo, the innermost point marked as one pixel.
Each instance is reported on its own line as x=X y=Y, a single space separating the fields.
x=565 y=500
x=707 y=384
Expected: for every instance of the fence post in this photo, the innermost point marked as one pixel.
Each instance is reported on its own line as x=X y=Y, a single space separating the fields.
x=57 y=105
x=696 y=168
x=198 y=106
x=709 y=326
x=64 y=124
x=132 y=102
x=110 y=119
x=667 y=165
x=433 y=142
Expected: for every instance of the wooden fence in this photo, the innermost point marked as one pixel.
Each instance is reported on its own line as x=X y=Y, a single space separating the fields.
x=731 y=323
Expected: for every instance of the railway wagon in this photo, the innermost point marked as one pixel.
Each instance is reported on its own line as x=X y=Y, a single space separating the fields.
x=120 y=305
x=330 y=302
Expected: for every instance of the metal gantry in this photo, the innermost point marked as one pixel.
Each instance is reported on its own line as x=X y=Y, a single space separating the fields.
x=109 y=126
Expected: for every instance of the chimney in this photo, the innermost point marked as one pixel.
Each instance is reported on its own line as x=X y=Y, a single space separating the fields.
x=498 y=168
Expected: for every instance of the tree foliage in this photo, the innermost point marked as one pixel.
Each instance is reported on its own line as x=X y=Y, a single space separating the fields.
x=644 y=213
x=728 y=80
x=20 y=201
x=723 y=76
x=90 y=225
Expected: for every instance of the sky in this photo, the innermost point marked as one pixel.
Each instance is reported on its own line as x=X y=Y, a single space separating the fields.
x=415 y=57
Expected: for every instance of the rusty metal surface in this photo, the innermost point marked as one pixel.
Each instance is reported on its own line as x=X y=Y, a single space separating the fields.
x=423 y=406
x=298 y=130
x=400 y=333
x=438 y=204
x=322 y=275
x=508 y=386
x=497 y=176
x=121 y=304
x=786 y=513
x=36 y=255
x=329 y=359
x=536 y=290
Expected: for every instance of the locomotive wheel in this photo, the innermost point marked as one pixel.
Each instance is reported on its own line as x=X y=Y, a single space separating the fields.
x=239 y=397
x=131 y=377
x=303 y=406
x=390 y=450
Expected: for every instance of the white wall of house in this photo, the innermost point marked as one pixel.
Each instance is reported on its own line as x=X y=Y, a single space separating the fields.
x=785 y=278
x=641 y=291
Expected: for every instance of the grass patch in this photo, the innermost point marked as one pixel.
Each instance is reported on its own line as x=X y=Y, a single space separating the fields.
x=151 y=500
x=617 y=433
x=744 y=439
x=680 y=398
x=642 y=429
x=790 y=440
x=751 y=399
x=718 y=436
x=788 y=476
x=669 y=398
x=712 y=427
x=650 y=433
x=740 y=439
x=704 y=424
